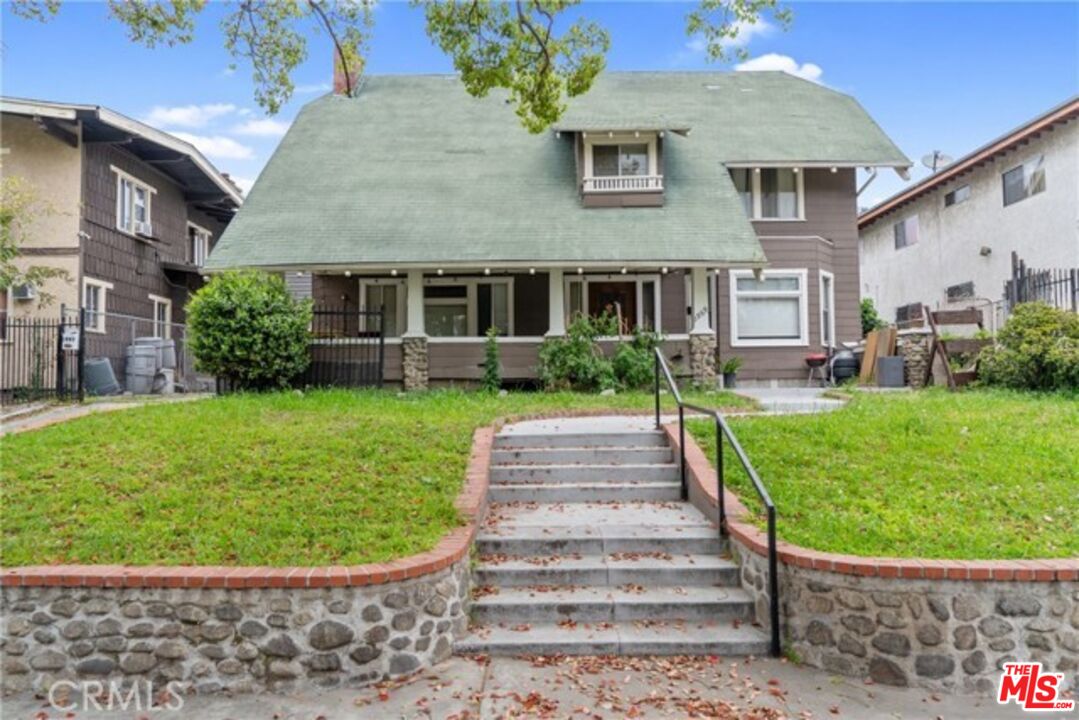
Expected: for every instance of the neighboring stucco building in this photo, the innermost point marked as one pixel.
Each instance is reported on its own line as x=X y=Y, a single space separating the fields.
x=947 y=240
x=129 y=212
x=717 y=208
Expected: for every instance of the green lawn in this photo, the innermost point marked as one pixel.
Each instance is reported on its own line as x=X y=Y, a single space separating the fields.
x=970 y=475
x=331 y=477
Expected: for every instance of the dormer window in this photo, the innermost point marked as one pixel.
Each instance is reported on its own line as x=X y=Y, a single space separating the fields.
x=621 y=163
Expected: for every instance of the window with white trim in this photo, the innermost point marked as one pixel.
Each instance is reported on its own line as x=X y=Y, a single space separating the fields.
x=198 y=244
x=1024 y=180
x=162 y=316
x=771 y=311
x=94 y=303
x=616 y=162
x=389 y=296
x=711 y=301
x=827 y=309
x=771 y=193
x=467 y=308
x=133 y=204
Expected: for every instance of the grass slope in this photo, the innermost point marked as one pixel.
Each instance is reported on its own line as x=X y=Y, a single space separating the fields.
x=331 y=477
x=971 y=475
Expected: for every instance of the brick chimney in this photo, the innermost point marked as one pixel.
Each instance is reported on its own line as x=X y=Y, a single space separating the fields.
x=340 y=87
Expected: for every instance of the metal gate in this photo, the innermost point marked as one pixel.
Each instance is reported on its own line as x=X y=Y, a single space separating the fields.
x=41 y=358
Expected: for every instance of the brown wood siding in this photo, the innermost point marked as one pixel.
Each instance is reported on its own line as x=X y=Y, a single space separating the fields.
x=131 y=264
x=831 y=213
x=464 y=360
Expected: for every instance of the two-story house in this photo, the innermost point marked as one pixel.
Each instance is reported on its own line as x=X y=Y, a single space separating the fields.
x=718 y=209
x=947 y=240
x=128 y=212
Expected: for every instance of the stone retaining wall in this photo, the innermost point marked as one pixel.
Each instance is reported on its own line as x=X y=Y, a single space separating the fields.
x=242 y=628
x=213 y=639
x=940 y=624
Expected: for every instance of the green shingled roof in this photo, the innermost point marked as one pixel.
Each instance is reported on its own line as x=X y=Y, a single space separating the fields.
x=414 y=170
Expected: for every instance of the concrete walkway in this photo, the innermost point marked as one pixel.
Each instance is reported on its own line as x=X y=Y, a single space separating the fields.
x=584 y=687
x=792 y=399
x=46 y=415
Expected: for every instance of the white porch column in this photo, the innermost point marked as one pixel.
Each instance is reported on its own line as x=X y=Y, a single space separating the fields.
x=701 y=326
x=414 y=299
x=556 y=304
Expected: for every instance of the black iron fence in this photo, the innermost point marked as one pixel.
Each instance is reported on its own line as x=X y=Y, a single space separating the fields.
x=347 y=348
x=40 y=358
x=1058 y=287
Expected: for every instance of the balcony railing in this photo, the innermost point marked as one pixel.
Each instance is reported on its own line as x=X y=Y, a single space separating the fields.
x=623 y=183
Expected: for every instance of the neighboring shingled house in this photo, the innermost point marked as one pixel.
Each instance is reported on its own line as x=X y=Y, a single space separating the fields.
x=702 y=205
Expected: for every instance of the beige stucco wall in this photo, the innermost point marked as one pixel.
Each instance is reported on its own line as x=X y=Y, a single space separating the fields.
x=52 y=169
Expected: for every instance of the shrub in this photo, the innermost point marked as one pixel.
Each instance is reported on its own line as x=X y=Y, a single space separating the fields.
x=634 y=362
x=247 y=328
x=1037 y=349
x=871 y=320
x=576 y=362
x=492 y=371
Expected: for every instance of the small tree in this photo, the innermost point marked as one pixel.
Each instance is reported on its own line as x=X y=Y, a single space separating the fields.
x=576 y=362
x=492 y=371
x=870 y=319
x=247 y=328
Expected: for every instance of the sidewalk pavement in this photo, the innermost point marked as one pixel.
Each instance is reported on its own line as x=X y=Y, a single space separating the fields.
x=583 y=688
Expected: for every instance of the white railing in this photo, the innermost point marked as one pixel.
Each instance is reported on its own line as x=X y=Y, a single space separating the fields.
x=624 y=183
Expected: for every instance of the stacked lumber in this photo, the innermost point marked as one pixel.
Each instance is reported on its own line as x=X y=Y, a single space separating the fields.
x=878 y=344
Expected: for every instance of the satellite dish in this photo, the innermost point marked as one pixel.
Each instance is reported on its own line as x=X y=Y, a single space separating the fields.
x=937 y=160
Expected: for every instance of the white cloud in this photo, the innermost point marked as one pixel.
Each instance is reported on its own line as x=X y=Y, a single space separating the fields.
x=192 y=116
x=783 y=63
x=218 y=146
x=313 y=88
x=696 y=47
x=267 y=127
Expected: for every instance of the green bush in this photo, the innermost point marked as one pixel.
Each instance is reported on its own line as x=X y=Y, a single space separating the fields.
x=247 y=328
x=871 y=320
x=576 y=362
x=635 y=361
x=492 y=370
x=1037 y=349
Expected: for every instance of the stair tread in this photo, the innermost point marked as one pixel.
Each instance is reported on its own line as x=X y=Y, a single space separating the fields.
x=612 y=483
x=532 y=595
x=506 y=531
x=589 y=562
x=577 y=466
x=596 y=514
x=615 y=636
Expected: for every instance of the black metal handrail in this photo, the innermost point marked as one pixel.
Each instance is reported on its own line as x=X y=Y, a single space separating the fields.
x=724 y=430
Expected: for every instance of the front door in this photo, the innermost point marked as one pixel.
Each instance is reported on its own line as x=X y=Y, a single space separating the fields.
x=617 y=298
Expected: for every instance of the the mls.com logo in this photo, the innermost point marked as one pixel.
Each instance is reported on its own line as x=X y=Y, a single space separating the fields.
x=1032 y=689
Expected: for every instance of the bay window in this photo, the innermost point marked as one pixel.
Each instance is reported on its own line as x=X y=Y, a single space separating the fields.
x=827 y=309
x=770 y=311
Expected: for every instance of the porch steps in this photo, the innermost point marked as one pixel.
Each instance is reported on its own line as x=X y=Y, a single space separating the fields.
x=589 y=549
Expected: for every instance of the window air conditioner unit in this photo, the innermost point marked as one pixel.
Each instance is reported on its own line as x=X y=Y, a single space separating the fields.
x=144 y=228
x=23 y=292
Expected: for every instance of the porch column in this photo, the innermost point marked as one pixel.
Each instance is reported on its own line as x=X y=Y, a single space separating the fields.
x=556 y=305
x=414 y=342
x=702 y=338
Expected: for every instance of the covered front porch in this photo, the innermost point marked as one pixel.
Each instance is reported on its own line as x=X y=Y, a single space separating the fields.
x=435 y=319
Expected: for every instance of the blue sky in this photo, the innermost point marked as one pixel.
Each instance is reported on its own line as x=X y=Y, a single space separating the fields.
x=946 y=76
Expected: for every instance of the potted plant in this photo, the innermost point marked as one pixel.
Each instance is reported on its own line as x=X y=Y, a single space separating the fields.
x=730 y=370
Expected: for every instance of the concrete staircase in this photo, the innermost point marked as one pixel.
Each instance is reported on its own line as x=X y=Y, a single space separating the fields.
x=589 y=549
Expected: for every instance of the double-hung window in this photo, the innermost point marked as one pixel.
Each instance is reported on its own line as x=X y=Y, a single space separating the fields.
x=94 y=294
x=771 y=193
x=906 y=232
x=162 y=316
x=133 y=204
x=1024 y=180
x=198 y=240
x=771 y=311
